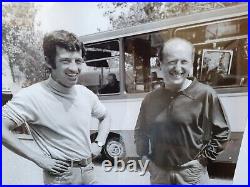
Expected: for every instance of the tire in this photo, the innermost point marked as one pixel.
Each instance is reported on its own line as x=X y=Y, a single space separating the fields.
x=114 y=147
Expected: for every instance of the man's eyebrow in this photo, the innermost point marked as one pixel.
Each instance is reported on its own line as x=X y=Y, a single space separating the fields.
x=64 y=58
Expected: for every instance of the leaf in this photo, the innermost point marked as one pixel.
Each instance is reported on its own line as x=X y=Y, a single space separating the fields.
x=128 y=14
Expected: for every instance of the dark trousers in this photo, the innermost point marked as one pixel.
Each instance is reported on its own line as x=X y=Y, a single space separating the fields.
x=195 y=174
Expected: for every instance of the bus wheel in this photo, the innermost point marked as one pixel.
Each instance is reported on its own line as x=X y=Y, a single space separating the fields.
x=114 y=148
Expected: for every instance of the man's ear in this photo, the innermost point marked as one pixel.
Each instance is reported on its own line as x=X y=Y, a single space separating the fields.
x=47 y=62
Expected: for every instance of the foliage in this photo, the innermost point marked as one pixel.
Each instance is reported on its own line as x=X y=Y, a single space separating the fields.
x=124 y=14
x=21 y=42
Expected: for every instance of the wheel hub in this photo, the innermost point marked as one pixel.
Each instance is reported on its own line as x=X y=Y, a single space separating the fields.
x=114 y=149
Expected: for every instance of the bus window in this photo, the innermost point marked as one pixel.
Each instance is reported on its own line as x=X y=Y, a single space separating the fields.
x=221 y=52
x=214 y=30
x=141 y=62
x=101 y=71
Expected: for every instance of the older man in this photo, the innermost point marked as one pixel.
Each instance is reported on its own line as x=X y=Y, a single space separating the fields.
x=183 y=123
x=59 y=114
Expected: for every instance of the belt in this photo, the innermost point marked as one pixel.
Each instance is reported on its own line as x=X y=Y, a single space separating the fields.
x=79 y=163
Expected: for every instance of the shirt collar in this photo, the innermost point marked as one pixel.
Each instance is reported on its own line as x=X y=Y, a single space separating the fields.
x=190 y=88
x=187 y=91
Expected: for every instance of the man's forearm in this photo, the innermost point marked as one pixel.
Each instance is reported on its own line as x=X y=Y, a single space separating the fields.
x=10 y=141
x=103 y=129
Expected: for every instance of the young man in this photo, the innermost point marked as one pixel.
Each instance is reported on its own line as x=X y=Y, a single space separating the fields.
x=59 y=113
x=183 y=123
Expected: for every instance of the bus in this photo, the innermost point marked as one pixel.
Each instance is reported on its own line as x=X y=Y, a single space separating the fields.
x=220 y=38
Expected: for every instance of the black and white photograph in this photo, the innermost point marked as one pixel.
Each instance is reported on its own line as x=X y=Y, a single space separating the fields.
x=125 y=93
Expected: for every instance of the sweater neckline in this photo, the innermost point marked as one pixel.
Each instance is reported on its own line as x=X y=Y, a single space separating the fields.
x=55 y=86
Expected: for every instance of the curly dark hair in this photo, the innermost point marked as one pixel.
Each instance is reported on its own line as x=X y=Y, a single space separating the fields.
x=60 y=38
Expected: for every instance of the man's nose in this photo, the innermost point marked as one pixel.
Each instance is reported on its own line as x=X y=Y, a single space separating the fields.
x=178 y=66
x=74 y=66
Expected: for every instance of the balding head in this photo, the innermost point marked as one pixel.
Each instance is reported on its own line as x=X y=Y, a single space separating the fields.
x=176 y=44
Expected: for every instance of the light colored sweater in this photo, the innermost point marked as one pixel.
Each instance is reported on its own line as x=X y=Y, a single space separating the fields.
x=59 y=117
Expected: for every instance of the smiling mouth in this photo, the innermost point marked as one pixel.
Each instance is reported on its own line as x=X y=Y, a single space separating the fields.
x=177 y=75
x=72 y=76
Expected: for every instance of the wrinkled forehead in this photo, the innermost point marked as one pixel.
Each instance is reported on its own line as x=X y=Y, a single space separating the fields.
x=177 y=45
x=178 y=48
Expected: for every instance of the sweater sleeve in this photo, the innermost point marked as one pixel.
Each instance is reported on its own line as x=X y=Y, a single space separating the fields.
x=98 y=109
x=19 y=109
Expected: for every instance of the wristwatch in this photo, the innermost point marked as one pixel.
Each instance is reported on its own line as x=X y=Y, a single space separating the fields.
x=100 y=144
